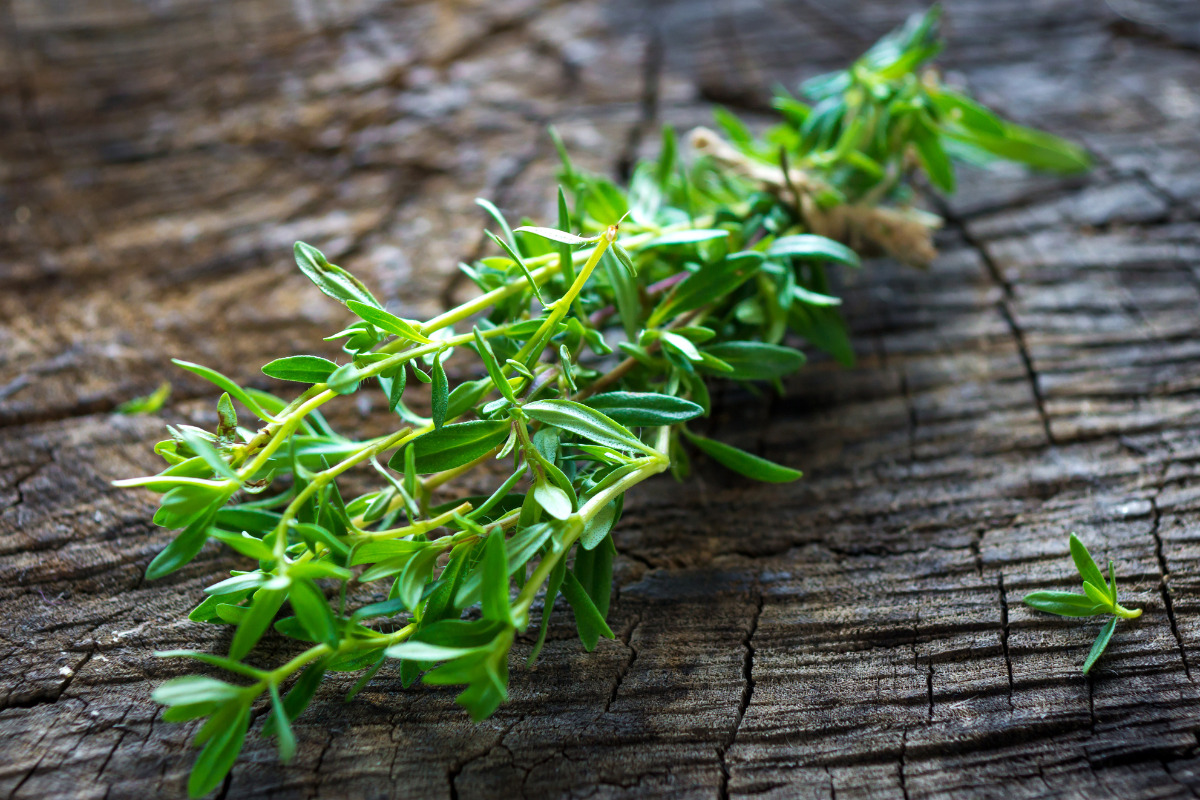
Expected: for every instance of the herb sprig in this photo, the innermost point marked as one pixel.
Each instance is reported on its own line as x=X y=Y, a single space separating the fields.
x=588 y=353
x=1099 y=597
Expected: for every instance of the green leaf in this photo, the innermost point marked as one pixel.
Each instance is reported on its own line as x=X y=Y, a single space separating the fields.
x=396 y=389
x=624 y=259
x=742 y=462
x=825 y=329
x=553 y=584
x=283 y=726
x=203 y=448
x=345 y=379
x=495 y=214
x=494 y=600
x=441 y=393
x=266 y=604
x=302 y=369
x=313 y=611
x=556 y=235
x=808 y=246
x=452 y=445
x=1099 y=645
x=566 y=263
x=331 y=279
x=686 y=237
x=488 y=356
x=625 y=295
x=933 y=157
x=599 y=526
x=1088 y=570
x=520 y=262
x=220 y=752
x=146 y=404
x=757 y=361
x=642 y=409
x=588 y=620
x=586 y=422
x=554 y=500
x=214 y=377
x=182 y=549
x=227 y=422
x=388 y=322
x=298 y=697
x=711 y=282
x=1033 y=148
x=1097 y=594
x=1065 y=604
x=194 y=689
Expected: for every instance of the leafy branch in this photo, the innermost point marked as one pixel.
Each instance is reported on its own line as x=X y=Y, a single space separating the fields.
x=568 y=380
x=1099 y=597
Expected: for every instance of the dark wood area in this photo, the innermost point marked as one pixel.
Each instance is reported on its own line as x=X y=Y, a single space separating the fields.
x=855 y=635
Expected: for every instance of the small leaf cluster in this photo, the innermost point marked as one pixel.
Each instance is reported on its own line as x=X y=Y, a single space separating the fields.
x=573 y=376
x=1099 y=597
x=864 y=127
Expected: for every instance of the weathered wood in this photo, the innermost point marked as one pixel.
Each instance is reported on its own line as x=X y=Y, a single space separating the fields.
x=859 y=634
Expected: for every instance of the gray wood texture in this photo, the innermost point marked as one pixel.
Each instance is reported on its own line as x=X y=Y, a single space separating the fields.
x=856 y=635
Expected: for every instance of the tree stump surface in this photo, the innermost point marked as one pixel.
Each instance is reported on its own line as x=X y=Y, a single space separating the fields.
x=856 y=634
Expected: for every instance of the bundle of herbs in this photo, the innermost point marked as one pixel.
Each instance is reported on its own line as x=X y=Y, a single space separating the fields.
x=595 y=339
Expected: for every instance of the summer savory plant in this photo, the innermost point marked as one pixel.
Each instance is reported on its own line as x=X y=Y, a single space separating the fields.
x=1099 y=597
x=588 y=354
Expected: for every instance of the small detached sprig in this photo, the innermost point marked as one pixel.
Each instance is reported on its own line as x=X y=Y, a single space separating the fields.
x=1099 y=597
x=579 y=367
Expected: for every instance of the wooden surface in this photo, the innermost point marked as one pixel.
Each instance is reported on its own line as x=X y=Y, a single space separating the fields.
x=858 y=634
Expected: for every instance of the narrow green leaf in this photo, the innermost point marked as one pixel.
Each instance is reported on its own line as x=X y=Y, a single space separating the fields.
x=586 y=422
x=182 y=549
x=441 y=393
x=1088 y=570
x=554 y=500
x=495 y=214
x=266 y=604
x=1098 y=595
x=203 y=448
x=743 y=463
x=283 y=726
x=599 y=526
x=757 y=361
x=220 y=753
x=1099 y=645
x=488 y=356
x=552 y=587
x=388 y=322
x=146 y=404
x=345 y=379
x=329 y=278
x=313 y=611
x=808 y=246
x=302 y=369
x=693 y=236
x=1065 y=604
x=494 y=600
x=588 y=620
x=711 y=282
x=520 y=262
x=396 y=389
x=452 y=445
x=640 y=409
x=212 y=376
x=555 y=235
x=194 y=689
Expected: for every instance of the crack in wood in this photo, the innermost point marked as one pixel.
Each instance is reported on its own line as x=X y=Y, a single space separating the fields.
x=746 y=697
